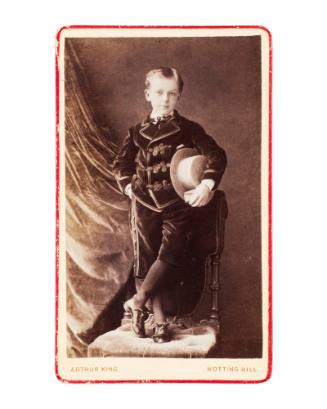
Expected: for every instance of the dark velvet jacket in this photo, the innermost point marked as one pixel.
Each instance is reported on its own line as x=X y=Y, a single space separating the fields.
x=146 y=152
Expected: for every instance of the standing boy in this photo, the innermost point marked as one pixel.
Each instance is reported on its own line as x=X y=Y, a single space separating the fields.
x=161 y=219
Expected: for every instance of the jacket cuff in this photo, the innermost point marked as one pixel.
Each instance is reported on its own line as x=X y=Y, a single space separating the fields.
x=210 y=183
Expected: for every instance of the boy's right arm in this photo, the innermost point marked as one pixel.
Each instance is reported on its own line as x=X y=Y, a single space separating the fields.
x=124 y=165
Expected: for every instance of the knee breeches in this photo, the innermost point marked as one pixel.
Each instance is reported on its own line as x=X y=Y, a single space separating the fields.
x=163 y=235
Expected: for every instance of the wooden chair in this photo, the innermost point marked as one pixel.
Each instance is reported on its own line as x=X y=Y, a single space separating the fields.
x=208 y=243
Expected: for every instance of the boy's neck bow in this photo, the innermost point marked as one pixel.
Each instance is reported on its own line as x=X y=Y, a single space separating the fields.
x=161 y=119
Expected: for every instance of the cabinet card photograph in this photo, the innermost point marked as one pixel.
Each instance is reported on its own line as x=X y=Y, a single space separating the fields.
x=163 y=266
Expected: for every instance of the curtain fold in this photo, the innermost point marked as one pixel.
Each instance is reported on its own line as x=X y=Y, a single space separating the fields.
x=98 y=243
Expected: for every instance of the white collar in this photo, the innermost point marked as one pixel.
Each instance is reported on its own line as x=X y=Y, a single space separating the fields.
x=158 y=117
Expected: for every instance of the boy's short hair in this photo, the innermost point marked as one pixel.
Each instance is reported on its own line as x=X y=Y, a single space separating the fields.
x=166 y=72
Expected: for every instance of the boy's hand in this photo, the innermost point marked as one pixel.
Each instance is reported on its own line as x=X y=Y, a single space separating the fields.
x=199 y=196
x=128 y=190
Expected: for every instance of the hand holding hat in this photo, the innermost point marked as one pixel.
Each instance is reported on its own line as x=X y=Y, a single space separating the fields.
x=199 y=196
x=187 y=172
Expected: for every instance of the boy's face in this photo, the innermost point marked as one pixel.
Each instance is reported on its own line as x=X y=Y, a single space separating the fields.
x=163 y=94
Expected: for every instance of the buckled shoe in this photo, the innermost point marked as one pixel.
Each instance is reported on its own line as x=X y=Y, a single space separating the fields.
x=161 y=333
x=139 y=316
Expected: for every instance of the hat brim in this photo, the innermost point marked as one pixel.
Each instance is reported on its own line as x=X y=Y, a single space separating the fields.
x=181 y=154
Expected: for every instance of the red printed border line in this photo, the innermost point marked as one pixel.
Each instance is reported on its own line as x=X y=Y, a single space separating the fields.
x=269 y=371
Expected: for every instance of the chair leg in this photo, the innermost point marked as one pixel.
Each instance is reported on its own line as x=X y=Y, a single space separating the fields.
x=214 y=286
x=215 y=265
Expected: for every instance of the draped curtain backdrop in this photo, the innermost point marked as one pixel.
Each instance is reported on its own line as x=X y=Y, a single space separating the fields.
x=99 y=251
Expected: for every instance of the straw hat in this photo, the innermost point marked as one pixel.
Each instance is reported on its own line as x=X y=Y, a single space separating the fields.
x=186 y=170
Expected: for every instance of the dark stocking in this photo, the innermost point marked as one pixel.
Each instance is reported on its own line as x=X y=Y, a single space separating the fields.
x=158 y=311
x=157 y=272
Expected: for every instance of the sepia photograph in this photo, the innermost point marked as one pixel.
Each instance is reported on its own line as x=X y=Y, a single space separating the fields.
x=163 y=204
x=163 y=211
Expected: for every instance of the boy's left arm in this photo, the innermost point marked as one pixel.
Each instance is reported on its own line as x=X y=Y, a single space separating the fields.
x=217 y=162
x=217 y=159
